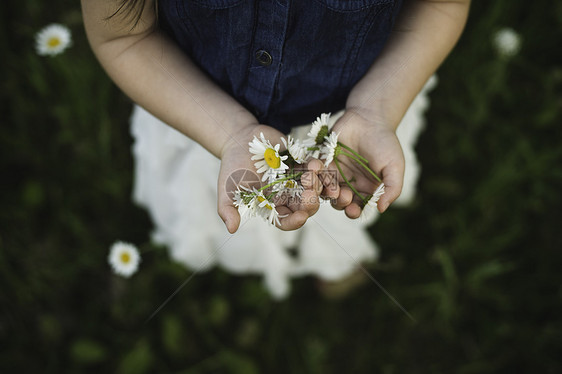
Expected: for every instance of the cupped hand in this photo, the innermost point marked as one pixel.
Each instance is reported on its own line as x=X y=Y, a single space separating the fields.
x=377 y=142
x=237 y=168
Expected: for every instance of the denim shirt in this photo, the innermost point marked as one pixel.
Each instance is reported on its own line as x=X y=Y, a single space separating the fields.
x=286 y=61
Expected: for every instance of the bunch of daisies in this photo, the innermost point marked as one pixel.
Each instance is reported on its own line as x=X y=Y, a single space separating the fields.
x=280 y=170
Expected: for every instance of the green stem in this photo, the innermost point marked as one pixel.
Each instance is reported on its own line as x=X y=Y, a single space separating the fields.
x=346 y=181
x=365 y=166
x=355 y=153
x=293 y=176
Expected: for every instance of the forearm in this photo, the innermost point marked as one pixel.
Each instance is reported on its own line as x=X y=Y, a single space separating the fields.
x=424 y=34
x=157 y=75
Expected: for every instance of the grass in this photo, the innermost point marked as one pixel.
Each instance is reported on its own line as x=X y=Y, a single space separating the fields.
x=476 y=260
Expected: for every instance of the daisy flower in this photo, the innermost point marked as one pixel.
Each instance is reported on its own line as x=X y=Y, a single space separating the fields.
x=266 y=209
x=370 y=208
x=269 y=161
x=297 y=150
x=289 y=187
x=329 y=148
x=52 y=40
x=320 y=128
x=255 y=203
x=244 y=201
x=124 y=259
x=507 y=42
x=312 y=150
x=268 y=212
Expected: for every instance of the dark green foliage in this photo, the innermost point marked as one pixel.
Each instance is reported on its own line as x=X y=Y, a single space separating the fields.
x=476 y=260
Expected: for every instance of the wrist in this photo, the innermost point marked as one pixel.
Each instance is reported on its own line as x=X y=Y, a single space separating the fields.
x=372 y=117
x=356 y=124
x=364 y=135
x=241 y=135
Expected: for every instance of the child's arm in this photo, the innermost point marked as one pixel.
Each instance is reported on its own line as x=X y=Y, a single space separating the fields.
x=156 y=74
x=424 y=34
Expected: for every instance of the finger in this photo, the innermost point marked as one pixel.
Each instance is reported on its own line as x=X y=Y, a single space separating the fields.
x=393 y=179
x=353 y=210
x=313 y=170
x=315 y=165
x=310 y=202
x=292 y=220
x=331 y=187
x=226 y=210
x=344 y=199
x=310 y=181
x=230 y=216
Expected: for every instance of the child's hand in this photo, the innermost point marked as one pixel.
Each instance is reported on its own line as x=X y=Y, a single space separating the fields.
x=377 y=142
x=235 y=159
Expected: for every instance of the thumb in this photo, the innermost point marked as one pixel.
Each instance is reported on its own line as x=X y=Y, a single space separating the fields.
x=227 y=212
x=393 y=179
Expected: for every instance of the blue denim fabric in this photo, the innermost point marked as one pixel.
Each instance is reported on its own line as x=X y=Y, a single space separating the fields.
x=286 y=61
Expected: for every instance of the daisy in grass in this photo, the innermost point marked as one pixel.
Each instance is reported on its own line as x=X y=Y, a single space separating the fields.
x=297 y=150
x=268 y=159
x=124 y=259
x=507 y=42
x=52 y=40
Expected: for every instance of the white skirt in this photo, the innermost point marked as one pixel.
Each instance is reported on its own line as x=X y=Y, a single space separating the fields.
x=176 y=181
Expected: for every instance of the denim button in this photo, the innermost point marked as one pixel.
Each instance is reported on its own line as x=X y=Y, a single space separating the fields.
x=263 y=58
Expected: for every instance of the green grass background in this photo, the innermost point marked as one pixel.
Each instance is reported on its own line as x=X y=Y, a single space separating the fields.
x=476 y=260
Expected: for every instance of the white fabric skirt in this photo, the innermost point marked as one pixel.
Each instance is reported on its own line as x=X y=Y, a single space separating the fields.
x=176 y=181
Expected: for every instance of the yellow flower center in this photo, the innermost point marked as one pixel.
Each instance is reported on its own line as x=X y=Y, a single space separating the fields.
x=261 y=199
x=53 y=42
x=271 y=158
x=290 y=184
x=125 y=257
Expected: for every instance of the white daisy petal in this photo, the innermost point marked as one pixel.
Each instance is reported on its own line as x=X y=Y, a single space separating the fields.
x=319 y=127
x=297 y=150
x=329 y=147
x=370 y=209
x=124 y=259
x=268 y=159
x=52 y=40
x=266 y=209
x=261 y=166
x=290 y=188
x=243 y=200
